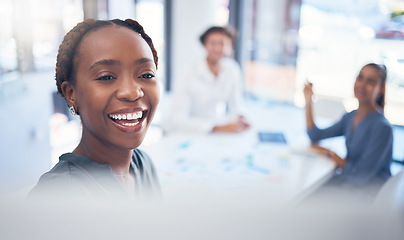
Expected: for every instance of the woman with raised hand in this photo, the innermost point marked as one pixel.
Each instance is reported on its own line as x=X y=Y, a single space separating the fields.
x=367 y=132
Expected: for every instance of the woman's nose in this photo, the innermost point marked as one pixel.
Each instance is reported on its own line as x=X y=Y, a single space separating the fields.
x=129 y=90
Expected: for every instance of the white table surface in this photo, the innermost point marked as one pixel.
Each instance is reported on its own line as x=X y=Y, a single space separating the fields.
x=239 y=165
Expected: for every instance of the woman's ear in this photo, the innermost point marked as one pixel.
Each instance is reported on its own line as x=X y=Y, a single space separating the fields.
x=69 y=93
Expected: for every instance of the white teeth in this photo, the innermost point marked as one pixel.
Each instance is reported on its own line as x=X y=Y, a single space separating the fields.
x=129 y=116
x=130 y=124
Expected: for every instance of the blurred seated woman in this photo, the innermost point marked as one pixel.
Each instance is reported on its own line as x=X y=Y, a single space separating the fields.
x=207 y=98
x=367 y=132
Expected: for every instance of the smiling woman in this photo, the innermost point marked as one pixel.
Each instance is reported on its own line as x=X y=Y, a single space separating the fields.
x=106 y=72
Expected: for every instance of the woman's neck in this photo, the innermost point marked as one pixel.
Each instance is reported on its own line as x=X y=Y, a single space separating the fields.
x=118 y=159
x=214 y=66
x=365 y=108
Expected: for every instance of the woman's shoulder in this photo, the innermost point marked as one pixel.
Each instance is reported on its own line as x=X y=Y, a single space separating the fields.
x=148 y=174
x=142 y=160
x=380 y=121
x=348 y=116
x=51 y=182
x=71 y=171
x=230 y=63
x=61 y=169
x=68 y=164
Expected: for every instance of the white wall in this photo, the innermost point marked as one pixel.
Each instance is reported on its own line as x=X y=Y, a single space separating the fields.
x=121 y=9
x=190 y=20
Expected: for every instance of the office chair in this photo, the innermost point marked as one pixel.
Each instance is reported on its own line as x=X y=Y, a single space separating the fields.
x=390 y=198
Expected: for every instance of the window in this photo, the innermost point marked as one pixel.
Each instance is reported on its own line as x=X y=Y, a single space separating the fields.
x=151 y=14
x=338 y=37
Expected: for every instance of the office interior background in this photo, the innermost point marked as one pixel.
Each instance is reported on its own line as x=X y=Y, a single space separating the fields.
x=280 y=45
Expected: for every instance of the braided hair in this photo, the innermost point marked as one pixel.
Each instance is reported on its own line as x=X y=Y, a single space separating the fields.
x=67 y=49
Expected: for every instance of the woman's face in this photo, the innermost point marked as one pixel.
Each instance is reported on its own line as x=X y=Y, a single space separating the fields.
x=116 y=91
x=368 y=85
x=217 y=45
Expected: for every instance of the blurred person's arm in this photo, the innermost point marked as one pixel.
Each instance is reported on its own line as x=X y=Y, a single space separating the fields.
x=316 y=134
x=235 y=127
x=308 y=96
x=340 y=162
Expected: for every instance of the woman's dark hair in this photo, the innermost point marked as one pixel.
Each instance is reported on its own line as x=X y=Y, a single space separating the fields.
x=381 y=68
x=225 y=31
x=67 y=49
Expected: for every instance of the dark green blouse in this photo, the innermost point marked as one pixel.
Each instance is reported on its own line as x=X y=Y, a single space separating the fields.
x=78 y=177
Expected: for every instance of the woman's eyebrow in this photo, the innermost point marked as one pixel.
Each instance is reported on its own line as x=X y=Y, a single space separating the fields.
x=143 y=60
x=107 y=62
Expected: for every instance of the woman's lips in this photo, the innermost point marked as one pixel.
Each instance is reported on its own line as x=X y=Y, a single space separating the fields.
x=360 y=93
x=128 y=121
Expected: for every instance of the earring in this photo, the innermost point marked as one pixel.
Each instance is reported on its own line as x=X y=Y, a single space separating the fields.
x=72 y=111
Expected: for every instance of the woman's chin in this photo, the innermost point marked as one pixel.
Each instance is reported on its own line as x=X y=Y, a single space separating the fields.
x=131 y=145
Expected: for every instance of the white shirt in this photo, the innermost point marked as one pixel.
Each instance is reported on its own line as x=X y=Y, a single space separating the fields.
x=202 y=100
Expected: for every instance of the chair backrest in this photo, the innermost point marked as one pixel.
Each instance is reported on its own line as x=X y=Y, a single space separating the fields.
x=398 y=143
x=328 y=108
x=391 y=196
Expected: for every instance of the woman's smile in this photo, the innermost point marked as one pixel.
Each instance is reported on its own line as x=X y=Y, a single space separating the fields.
x=128 y=120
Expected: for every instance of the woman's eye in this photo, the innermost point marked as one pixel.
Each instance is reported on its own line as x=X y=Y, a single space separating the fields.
x=147 y=75
x=105 y=78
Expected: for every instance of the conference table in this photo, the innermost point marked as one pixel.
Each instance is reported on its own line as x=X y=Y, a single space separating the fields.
x=271 y=163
